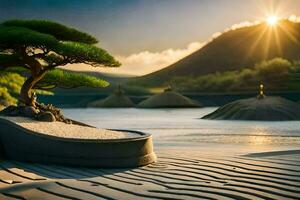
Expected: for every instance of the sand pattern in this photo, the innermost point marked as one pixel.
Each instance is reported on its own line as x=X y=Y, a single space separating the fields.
x=115 y=100
x=172 y=177
x=168 y=99
x=60 y=129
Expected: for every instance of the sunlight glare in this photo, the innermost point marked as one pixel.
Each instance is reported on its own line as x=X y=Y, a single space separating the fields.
x=272 y=20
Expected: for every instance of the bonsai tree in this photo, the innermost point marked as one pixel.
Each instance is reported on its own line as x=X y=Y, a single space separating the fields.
x=40 y=46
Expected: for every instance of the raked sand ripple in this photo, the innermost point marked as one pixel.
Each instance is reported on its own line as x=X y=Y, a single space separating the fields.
x=176 y=175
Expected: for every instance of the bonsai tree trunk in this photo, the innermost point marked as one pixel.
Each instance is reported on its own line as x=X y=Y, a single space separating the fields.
x=26 y=90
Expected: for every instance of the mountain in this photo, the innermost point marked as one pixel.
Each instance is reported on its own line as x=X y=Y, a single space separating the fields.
x=233 y=50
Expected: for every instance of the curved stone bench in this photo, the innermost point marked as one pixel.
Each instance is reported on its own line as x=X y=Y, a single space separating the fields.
x=18 y=143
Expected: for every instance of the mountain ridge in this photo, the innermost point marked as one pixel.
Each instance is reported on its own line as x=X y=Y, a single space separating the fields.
x=233 y=50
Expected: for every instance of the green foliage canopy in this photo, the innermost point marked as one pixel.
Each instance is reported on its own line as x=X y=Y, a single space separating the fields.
x=5 y=97
x=275 y=74
x=46 y=47
x=64 y=79
x=10 y=85
x=57 y=30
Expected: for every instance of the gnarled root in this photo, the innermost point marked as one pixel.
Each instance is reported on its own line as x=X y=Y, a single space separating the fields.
x=55 y=111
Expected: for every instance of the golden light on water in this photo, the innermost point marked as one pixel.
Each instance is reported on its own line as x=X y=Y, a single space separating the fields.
x=260 y=137
x=272 y=20
x=259 y=140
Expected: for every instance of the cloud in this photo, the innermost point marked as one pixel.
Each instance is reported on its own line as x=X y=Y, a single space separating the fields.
x=143 y=62
x=215 y=35
x=294 y=18
x=243 y=24
x=146 y=61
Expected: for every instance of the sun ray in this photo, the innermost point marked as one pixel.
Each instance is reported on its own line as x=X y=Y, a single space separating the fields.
x=267 y=44
x=289 y=32
x=255 y=44
x=277 y=42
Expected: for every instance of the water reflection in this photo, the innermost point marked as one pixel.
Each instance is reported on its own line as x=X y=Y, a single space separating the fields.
x=184 y=126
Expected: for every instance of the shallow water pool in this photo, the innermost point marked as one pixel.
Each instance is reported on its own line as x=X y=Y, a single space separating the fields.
x=183 y=127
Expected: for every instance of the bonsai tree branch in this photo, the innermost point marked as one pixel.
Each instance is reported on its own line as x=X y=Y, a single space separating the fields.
x=41 y=46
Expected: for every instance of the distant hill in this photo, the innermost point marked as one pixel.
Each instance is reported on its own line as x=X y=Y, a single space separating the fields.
x=233 y=50
x=111 y=78
x=114 y=81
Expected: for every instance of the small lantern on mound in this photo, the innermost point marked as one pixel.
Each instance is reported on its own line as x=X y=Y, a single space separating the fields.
x=261 y=94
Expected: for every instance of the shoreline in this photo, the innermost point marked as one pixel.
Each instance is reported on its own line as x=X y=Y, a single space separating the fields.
x=79 y=100
x=229 y=151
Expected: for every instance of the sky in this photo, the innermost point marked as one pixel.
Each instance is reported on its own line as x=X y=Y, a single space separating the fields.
x=147 y=35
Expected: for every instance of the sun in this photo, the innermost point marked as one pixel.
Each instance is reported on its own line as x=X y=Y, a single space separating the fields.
x=272 y=20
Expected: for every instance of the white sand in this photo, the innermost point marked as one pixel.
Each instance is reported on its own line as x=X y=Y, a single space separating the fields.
x=64 y=130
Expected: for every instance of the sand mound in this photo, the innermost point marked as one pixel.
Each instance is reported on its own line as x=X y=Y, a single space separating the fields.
x=60 y=129
x=168 y=99
x=266 y=109
x=116 y=100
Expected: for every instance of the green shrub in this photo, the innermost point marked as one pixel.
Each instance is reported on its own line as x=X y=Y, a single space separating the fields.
x=274 y=73
x=6 y=97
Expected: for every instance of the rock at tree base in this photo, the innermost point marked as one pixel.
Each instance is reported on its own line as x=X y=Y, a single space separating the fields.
x=46 y=113
x=10 y=111
x=30 y=111
x=56 y=112
x=4 y=103
x=46 y=117
x=266 y=109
